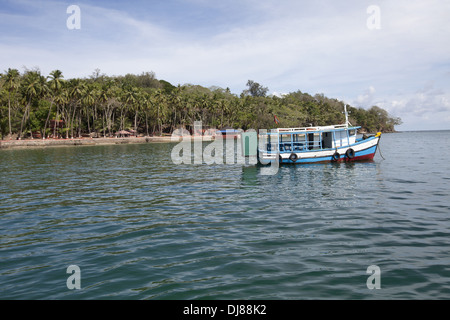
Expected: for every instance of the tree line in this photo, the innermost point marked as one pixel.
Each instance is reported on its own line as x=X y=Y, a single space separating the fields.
x=39 y=106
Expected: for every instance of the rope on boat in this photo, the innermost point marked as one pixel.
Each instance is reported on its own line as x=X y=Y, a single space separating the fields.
x=379 y=150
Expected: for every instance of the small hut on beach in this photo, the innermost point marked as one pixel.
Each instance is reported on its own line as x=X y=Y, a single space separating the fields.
x=123 y=134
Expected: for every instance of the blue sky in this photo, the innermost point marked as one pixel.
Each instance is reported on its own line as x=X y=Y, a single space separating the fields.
x=286 y=45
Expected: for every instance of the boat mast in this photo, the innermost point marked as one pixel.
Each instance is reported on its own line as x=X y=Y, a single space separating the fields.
x=346 y=116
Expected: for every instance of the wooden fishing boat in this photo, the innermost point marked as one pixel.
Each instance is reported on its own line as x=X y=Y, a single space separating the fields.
x=333 y=143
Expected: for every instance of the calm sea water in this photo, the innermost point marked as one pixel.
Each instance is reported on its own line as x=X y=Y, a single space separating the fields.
x=140 y=227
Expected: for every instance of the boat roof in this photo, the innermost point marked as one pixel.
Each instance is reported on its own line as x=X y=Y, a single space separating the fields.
x=338 y=127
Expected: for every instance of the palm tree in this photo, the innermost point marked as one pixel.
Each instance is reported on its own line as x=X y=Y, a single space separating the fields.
x=147 y=105
x=108 y=98
x=175 y=102
x=32 y=85
x=128 y=97
x=103 y=99
x=188 y=107
x=161 y=101
x=204 y=103
x=137 y=106
x=60 y=98
x=56 y=80
x=197 y=106
x=12 y=83
x=224 y=108
x=54 y=88
x=75 y=92
x=88 y=100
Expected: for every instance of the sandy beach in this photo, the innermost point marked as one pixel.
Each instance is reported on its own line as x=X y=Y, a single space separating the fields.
x=40 y=143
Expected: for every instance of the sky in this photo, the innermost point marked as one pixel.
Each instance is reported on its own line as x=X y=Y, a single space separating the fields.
x=393 y=54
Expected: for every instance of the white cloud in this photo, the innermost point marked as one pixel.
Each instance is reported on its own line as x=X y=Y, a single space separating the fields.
x=366 y=99
x=428 y=108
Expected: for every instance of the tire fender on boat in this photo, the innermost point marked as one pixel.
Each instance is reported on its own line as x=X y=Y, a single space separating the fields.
x=336 y=156
x=293 y=157
x=350 y=153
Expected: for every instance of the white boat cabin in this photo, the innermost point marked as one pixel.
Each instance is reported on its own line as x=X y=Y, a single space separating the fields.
x=311 y=138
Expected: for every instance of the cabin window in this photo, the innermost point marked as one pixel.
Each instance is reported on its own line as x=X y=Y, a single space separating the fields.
x=352 y=136
x=285 y=138
x=327 y=140
x=341 y=138
x=299 y=141
x=299 y=137
x=314 y=141
x=285 y=142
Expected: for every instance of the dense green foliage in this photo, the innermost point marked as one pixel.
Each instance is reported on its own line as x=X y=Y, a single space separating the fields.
x=102 y=105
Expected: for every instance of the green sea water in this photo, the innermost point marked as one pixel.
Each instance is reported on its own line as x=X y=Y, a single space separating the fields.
x=140 y=227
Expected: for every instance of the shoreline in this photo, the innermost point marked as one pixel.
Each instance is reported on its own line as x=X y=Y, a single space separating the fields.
x=40 y=143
